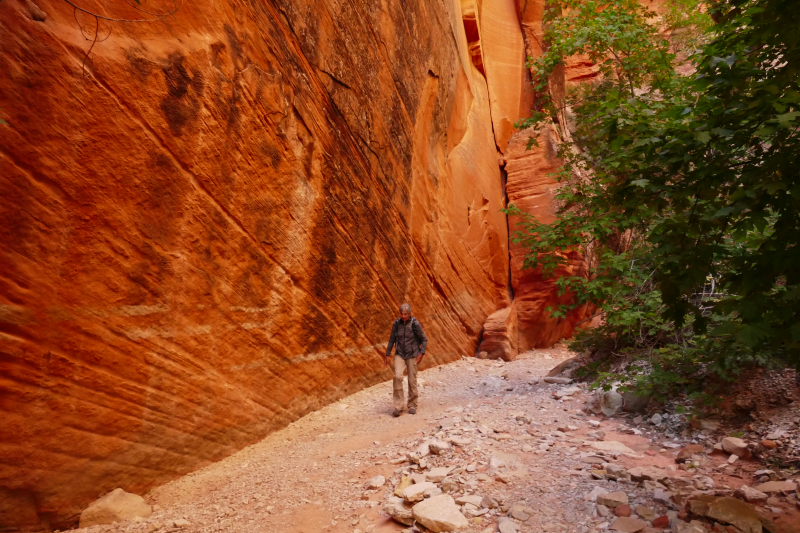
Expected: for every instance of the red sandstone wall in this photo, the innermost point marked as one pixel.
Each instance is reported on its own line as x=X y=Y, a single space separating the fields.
x=207 y=235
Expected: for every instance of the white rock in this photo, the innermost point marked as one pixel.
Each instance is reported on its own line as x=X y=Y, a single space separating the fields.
x=436 y=475
x=115 y=506
x=611 y=403
x=397 y=509
x=592 y=496
x=568 y=391
x=376 y=482
x=439 y=447
x=181 y=522
x=736 y=447
x=471 y=499
x=751 y=495
x=558 y=380
x=440 y=514
x=416 y=492
x=656 y=419
x=507 y=526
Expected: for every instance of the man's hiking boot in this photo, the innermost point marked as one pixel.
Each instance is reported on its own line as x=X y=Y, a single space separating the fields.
x=412 y=411
x=397 y=413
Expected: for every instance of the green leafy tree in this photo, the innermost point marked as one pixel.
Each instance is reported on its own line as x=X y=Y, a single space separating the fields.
x=681 y=191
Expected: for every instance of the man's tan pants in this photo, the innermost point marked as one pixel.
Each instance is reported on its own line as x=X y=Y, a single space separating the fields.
x=401 y=364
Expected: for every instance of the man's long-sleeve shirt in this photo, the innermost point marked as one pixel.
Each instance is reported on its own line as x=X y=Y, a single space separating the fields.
x=408 y=337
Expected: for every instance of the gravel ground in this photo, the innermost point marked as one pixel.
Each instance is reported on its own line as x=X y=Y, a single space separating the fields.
x=514 y=442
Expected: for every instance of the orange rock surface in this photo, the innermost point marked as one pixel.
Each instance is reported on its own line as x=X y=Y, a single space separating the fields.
x=207 y=229
x=507 y=76
x=500 y=334
x=531 y=187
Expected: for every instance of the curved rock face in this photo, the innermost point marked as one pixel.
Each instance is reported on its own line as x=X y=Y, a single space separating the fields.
x=209 y=221
x=208 y=227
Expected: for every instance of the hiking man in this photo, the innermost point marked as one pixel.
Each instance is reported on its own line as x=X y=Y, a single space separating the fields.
x=410 y=340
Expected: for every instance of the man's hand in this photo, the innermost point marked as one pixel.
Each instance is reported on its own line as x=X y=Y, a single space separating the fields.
x=419 y=359
x=386 y=362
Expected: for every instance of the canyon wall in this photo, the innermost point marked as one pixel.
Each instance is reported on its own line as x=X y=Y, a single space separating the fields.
x=209 y=221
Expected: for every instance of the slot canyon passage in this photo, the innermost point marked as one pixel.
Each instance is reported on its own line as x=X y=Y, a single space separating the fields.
x=209 y=221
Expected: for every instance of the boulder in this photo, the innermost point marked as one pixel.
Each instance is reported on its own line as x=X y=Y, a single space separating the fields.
x=611 y=403
x=399 y=510
x=115 y=506
x=499 y=339
x=736 y=446
x=440 y=513
x=634 y=403
x=751 y=495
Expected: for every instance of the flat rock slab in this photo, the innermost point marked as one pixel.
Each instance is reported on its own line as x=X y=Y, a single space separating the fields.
x=728 y=511
x=751 y=495
x=399 y=510
x=376 y=482
x=474 y=500
x=569 y=391
x=558 y=380
x=627 y=524
x=641 y=473
x=777 y=486
x=416 y=492
x=440 y=513
x=115 y=506
x=612 y=447
x=499 y=459
x=613 y=499
x=436 y=475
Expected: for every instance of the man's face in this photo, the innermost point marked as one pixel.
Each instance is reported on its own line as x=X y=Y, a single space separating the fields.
x=405 y=315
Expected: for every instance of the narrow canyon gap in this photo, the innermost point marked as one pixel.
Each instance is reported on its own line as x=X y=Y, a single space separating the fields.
x=209 y=223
